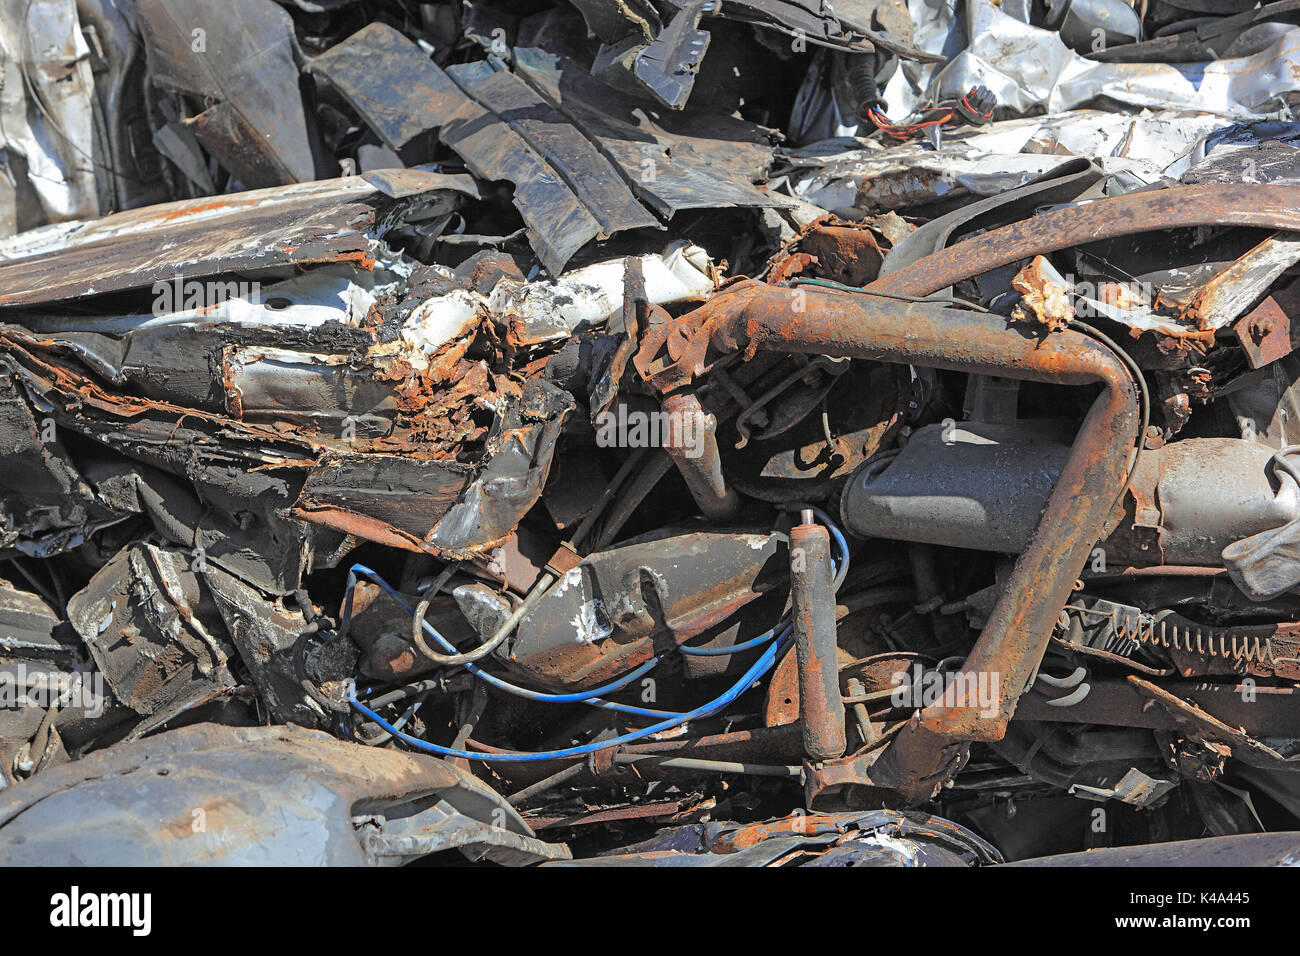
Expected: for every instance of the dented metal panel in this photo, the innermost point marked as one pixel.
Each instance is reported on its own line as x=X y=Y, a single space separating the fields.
x=302 y=224
x=578 y=162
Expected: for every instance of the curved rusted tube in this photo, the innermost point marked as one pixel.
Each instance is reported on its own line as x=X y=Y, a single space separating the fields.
x=811 y=319
x=1267 y=207
x=823 y=321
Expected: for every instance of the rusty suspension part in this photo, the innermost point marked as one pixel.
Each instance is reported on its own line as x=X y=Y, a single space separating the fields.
x=812 y=596
x=755 y=316
x=693 y=446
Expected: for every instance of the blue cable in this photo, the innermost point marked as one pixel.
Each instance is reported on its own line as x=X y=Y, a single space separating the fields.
x=747 y=680
x=840 y=542
x=839 y=571
x=590 y=697
x=731 y=648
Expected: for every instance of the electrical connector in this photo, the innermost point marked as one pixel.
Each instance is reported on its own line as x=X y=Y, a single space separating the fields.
x=977 y=105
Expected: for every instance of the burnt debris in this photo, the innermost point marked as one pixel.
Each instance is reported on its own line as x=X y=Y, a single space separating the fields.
x=648 y=432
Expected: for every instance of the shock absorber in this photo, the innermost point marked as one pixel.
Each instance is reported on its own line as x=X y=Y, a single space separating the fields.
x=813 y=599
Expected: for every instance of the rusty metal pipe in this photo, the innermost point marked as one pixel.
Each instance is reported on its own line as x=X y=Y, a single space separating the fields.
x=765 y=745
x=1267 y=207
x=815 y=320
x=693 y=446
x=630 y=497
x=812 y=597
x=709 y=766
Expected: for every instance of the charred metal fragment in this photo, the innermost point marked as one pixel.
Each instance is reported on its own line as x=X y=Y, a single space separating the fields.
x=444 y=506
x=688 y=172
x=301 y=224
x=243 y=70
x=618 y=608
x=149 y=623
x=579 y=163
x=49 y=506
x=390 y=99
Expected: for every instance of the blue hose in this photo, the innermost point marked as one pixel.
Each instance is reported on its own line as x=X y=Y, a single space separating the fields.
x=731 y=648
x=592 y=697
x=841 y=543
x=747 y=680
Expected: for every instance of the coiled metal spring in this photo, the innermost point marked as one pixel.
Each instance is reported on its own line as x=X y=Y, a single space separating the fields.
x=1132 y=628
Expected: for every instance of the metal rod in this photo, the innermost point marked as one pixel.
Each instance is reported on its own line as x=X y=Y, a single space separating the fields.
x=711 y=766
x=812 y=596
x=693 y=447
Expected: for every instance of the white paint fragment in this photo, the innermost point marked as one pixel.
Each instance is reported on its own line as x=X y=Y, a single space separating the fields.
x=588 y=297
x=442 y=319
x=591 y=622
x=572 y=578
x=905 y=851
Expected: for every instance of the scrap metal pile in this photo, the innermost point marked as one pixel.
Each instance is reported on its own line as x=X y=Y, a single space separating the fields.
x=647 y=431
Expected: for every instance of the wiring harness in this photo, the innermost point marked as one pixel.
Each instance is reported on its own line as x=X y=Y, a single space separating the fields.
x=776 y=642
x=975 y=106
